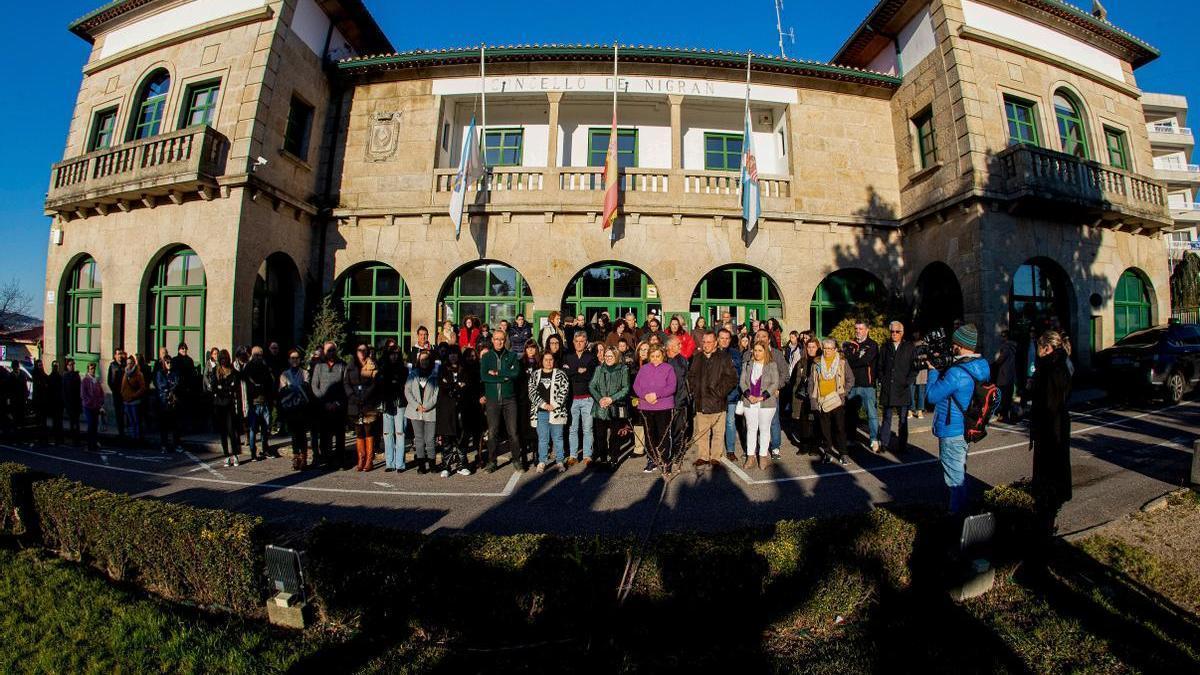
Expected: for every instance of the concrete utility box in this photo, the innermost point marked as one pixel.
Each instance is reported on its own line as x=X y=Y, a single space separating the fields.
x=287 y=607
x=287 y=610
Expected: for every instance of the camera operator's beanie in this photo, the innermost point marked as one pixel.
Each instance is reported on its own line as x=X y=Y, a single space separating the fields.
x=966 y=337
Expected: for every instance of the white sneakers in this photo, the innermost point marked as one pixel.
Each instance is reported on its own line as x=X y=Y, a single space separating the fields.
x=875 y=446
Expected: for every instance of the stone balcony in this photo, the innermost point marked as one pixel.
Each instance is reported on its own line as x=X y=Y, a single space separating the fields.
x=580 y=189
x=1038 y=180
x=171 y=164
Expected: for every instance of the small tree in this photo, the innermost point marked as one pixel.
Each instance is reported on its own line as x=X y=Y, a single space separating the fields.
x=14 y=302
x=329 y=325
x=872 y=314
x=1185 y=283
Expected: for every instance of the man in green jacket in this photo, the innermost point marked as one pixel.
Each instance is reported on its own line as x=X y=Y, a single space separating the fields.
x=498 y=370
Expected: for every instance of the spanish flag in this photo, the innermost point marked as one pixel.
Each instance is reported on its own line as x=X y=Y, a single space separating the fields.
x=611 y=177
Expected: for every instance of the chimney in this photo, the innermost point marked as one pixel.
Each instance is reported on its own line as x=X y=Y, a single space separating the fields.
x=1099 y=11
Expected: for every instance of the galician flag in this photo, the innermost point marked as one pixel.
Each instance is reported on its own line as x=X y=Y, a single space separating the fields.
x=611 y=175
x=470 y=169
x=751 y=206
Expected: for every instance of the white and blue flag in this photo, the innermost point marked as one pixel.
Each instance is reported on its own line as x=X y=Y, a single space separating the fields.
x=751 y=206
x=470 y=169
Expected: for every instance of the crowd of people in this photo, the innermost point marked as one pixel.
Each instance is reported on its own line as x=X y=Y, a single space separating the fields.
x=578 y=392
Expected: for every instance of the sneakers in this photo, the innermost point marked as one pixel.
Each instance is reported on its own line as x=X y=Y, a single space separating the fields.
x=464 y=471
x=920 y=414
x=649 y=468
x=541 y=467
x=228 y=461
x=875 y=446
x=775 y=455
x=235 y=461
x=842 y=460
x=492 y=467
x=445 y=473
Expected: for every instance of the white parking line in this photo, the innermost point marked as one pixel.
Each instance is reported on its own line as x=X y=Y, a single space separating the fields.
x=1118 y=423
x=274 y=486
x=204 y=466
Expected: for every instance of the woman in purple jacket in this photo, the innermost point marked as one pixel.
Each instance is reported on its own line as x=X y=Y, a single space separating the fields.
x=655 y=389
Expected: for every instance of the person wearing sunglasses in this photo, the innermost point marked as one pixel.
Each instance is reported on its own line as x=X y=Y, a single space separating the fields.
x=897 y=373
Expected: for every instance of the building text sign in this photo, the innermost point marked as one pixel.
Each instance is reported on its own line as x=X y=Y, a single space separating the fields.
x=633 y=84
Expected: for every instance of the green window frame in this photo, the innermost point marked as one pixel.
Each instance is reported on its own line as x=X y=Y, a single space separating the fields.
x=491 y=291
x=177 y=302
x=83 y=311
x=298 y=131
x=1022 y=121
x=744 y=292
x=1131 y=305
x=613 y=288
x=503 y=147
x=1072 y=132
x=200 y=104
x=839 y=297
x=627 y=146
x=376 y=303
x=722 y=151
x=104 y=126
x=926 y=140
x=152 y=103
x=1118 y=147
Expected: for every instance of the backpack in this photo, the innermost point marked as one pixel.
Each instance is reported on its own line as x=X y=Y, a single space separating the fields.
x=985 y=398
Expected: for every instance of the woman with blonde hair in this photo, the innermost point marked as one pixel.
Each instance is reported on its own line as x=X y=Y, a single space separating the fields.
x=1050 y=430
x=362 y=406
x=447 y=335
x=828 y=385
x=759 y=378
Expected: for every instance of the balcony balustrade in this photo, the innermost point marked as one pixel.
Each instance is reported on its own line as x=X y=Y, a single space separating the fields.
x=1055 y=180
x=178 y=161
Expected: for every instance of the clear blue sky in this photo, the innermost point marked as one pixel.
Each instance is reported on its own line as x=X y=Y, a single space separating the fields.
x=45 y=61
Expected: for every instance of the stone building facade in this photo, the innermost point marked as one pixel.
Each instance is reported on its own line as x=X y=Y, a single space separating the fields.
x=940 y=166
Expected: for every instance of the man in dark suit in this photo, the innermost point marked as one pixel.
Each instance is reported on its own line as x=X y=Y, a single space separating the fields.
x=897 y=372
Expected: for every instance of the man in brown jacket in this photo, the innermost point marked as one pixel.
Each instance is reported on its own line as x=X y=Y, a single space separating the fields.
x=710 y=377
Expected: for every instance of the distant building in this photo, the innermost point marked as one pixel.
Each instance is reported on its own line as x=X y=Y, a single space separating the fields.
x=1172 y=143
x=231 y=162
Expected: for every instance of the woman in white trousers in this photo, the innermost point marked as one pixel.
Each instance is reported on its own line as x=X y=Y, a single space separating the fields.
x=760 y=385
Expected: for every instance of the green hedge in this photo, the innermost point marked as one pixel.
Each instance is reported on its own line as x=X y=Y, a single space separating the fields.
x=14 y=496
x=207 y=557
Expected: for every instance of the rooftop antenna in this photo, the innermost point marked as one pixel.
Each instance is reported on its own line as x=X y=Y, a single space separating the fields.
x=779 y=27
x=1099 y=11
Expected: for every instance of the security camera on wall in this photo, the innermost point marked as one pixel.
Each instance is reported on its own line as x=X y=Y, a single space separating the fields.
x=259 y=162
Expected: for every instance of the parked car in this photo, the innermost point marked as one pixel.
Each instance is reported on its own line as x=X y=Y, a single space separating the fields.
x=1164 y=360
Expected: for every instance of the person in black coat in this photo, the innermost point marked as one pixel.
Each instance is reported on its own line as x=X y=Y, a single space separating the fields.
x=72 y=399
x=54 y=401
x=1050 y=430
x=897 y=372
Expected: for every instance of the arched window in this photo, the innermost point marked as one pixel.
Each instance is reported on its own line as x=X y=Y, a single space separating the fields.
x=1072 y=132
x=744 y=292
x=1131 y=304
x=81 y=337
x=838 y=297
x=490 y=291
x=377 y=304
x=1039 y=299
x=613 y=288
x=938 y=300
x=150 y=106
x=177 y=295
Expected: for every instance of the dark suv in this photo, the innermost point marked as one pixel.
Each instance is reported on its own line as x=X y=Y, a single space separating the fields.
x=1163 y=359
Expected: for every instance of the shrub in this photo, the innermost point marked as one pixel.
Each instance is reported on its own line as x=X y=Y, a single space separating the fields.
x=14 y=497
x=204 y=556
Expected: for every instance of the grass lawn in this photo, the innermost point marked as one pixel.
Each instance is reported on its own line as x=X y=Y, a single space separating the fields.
x=59 y=617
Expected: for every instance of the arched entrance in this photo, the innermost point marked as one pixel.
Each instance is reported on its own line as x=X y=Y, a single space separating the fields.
x=938 y=301
x=176 y=301
x=376 y=303
x=840 y=295
x=744 y=292
x=1039 y=299
x=1132 y=303
x=489 y=290
x=79 y=337
x=614 y=288
x=278 y=302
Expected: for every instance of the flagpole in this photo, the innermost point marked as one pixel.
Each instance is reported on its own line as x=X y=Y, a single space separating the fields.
x=612 y=231
x=746 y=146
x=748 y=55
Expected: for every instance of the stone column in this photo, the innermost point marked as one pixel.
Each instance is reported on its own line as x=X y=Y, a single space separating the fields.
x=676 y=131
x=552 y=179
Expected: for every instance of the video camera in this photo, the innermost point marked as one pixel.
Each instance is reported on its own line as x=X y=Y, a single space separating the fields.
x=935 y=353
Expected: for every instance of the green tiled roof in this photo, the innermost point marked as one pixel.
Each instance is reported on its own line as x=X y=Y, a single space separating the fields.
x=638 y=54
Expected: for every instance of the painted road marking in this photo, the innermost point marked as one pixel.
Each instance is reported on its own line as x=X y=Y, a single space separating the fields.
x=273 y=486
x=203 y=465
x=1121 y=423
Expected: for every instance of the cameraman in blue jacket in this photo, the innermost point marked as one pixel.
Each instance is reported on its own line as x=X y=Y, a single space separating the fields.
x=950 y=389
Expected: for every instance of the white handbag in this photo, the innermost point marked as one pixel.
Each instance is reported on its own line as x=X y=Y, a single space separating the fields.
x=740 y=408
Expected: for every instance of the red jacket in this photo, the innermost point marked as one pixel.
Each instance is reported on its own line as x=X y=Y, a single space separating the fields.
x=687 y=345
x=468 y=338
